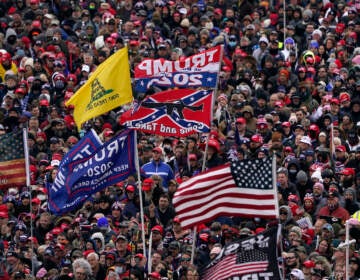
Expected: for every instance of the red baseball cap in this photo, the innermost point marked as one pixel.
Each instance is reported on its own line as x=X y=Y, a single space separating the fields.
x=36 y=201
x=286 y=124
x=130 y=188
x=192 y=157
x=4 y=215
x=148 y=181
x=155 y=275
x=334 y=101
x=157 y=150
x=341 y=148
x=347 y=171
x=56 y=231
x=146 y=187
x=218 y=11
x=309 y=264
x=256 y=138
x=241 y=120
x=44 y=102
x=140 y=256
x=344 y=96
x=158 y=228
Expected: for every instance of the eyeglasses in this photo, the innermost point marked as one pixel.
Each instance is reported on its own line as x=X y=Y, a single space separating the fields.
x=185 y=259
x=290 y=258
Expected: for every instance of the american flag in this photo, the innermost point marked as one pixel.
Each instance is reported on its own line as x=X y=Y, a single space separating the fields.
x=230 y=267
x=12 y=160
x=255 y=254
x=243 y=188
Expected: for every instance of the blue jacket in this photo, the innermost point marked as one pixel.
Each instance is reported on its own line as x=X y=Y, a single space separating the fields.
x=161 y=169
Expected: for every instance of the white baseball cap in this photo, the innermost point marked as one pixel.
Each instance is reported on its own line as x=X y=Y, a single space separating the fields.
x=306 y=140
x=297 y=273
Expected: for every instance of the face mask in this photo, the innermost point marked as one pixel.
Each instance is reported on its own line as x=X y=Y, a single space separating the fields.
x=59 y=84
x=232 y=44
x=157 y=21
x=13 y=120
x=119 y=270
x=167 y=149
x=11 y=40
x=332 y=206
x=11 y=88
x=36 y=85
x=348 y=201
x=292 y=171
x=273 y=51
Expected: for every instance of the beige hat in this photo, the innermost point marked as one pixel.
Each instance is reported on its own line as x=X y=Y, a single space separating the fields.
x=185 y=23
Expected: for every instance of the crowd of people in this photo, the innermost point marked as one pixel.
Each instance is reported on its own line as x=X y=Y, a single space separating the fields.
x=288 y=87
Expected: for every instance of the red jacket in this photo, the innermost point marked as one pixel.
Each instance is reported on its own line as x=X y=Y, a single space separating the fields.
x=339 y=212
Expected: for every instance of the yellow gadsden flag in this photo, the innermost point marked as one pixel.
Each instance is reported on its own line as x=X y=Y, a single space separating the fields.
x=107 y=88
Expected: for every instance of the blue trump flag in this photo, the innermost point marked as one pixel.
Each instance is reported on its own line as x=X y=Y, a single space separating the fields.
x=89 y=167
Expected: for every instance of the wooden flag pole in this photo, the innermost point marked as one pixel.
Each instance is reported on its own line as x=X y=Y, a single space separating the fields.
x=275 y=186
x=149 y=257
x=137 y=166
x=347 y=257
x=28 y=182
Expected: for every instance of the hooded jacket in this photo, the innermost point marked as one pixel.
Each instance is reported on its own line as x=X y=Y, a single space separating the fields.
x=351 y=205
x=99 y=235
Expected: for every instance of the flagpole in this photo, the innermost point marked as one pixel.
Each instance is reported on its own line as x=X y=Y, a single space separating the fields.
x=193 y=245
x=273 y=166
x=149 y=257
x=275 y=186
x=212 y=108
x=284 y=23
x=281 y=268
x=28 y=182
x=347 y=249
x=206 y=149
x=137 y=166
x=332 y=147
